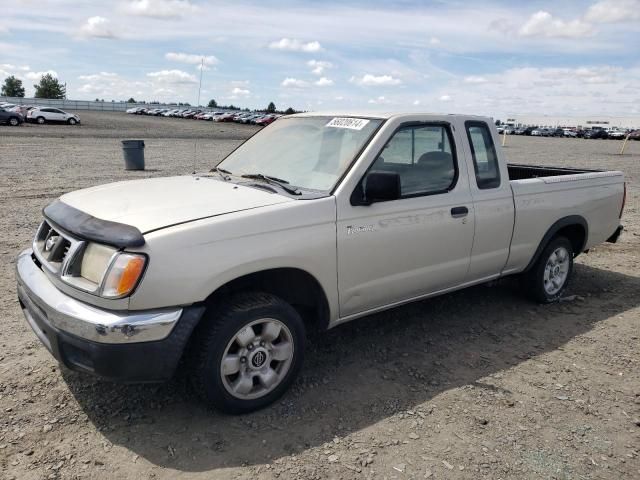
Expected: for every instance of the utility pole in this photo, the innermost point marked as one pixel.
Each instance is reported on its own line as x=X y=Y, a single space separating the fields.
x=195 y=147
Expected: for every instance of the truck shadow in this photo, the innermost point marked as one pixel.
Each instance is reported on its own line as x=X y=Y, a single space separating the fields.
x=357 y=374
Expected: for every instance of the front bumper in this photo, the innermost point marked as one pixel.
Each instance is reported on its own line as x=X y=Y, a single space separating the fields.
x=141 y=346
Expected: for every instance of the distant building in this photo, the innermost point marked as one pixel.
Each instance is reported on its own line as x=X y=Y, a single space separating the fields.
x=580 y=122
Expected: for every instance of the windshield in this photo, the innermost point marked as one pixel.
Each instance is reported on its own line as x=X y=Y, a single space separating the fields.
x=307 y=152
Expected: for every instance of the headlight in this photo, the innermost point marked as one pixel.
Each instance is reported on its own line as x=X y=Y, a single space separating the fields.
x=95 y=262
x=123 y=275
x=107 y=272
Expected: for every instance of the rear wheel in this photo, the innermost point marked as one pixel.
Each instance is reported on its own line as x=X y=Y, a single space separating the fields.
x=40 y=120
x=13 y=121
x=548 y=278
x=247 y=352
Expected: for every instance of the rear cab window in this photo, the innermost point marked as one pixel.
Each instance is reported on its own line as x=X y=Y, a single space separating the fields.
x=483 y=152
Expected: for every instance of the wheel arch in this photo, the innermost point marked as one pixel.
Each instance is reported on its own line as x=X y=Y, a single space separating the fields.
x=574 y=227
x=295 y=286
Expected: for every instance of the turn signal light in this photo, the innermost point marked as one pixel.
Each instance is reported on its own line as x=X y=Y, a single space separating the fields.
x=124 y=275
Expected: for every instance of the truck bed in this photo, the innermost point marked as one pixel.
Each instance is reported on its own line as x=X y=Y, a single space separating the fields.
x=523 y=172
x=542 y=195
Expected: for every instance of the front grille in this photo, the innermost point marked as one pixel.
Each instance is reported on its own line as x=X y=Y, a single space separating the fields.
x=54 y=249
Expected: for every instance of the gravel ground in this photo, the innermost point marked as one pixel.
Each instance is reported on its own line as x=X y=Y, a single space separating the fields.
x=476 y=384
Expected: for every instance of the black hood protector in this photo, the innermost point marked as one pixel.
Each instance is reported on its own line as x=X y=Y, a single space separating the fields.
x=91 y=228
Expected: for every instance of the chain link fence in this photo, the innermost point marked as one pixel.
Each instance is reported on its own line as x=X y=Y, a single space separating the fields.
x=86 y=105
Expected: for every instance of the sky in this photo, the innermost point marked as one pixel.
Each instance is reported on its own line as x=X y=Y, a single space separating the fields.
x=488 y=58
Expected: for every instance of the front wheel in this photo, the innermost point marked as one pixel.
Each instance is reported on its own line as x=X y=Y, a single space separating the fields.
x=548 y=278
x=247 y=352
x=71 y=121
x=13 y=121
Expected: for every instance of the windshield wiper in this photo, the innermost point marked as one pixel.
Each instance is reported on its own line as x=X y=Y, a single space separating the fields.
x=273 y=181
x=222 y=173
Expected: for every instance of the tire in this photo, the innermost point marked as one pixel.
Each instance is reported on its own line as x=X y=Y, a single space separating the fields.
x=72 y=121
x=548 y=278
x=40 y=120
x=14 y=122
x=233 y=358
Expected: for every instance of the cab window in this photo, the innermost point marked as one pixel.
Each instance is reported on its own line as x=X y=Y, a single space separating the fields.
x=423 y=157
x=483 y=151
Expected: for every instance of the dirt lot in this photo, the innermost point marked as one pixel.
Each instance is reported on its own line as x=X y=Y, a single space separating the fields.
x=477 y=384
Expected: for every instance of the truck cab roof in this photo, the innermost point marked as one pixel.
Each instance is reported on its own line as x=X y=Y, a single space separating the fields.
x=385 y=115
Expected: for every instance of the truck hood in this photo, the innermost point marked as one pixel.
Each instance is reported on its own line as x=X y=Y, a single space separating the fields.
x=154 y=203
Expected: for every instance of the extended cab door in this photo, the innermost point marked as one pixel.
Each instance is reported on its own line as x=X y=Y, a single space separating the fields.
x=492 y=199
x=391 y=251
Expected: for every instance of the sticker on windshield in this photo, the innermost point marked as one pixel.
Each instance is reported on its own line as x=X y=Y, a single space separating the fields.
x=346 y=122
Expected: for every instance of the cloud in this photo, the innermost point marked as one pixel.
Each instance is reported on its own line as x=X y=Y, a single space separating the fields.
x=96 y=76
x=294 y=83
x=543 y=24
x=376 y=81
x=434 y=41
x=416 y=102
x=35 y=76
x=165 y=85
x=381 y=100
x=192 y=59
x=294 y=45
x=474 y=79
x=97 y=27
x=159 y=8
x=445 y=98
x=16 y=68
x=106 y=84
x=172 y=76
x=610 y=11
x=318 y=66
x=237 y=91
x=323 y=82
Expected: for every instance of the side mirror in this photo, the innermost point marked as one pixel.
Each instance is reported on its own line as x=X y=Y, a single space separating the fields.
x=377 y=186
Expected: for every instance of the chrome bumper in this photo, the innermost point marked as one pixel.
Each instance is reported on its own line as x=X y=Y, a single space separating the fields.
x=41 y=298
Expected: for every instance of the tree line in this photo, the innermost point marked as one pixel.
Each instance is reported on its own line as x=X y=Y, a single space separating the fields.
x=271 y=108
x=47 y=87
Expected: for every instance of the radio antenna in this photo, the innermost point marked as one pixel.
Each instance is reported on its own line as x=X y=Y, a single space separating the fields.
x=195 y=149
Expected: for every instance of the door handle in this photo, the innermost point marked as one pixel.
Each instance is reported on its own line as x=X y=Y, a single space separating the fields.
x=459 y=212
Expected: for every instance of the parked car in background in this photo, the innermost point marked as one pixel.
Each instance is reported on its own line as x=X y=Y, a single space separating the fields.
x=43 y=115
x=22 y=109
x=556 y=132
x=568 y=132
x=537 y=132
x=617 y=134
x=266 y=120
x=9 y=117
x=634 y=135
x=596 y=133
x=227 y=117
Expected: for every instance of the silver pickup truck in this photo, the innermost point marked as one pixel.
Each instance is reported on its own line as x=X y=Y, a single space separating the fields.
x=316 y=220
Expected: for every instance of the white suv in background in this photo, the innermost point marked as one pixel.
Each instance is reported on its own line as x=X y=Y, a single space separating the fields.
x=42 y=115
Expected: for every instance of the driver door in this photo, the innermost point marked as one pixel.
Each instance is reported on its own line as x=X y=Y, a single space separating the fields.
x=396 y=250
